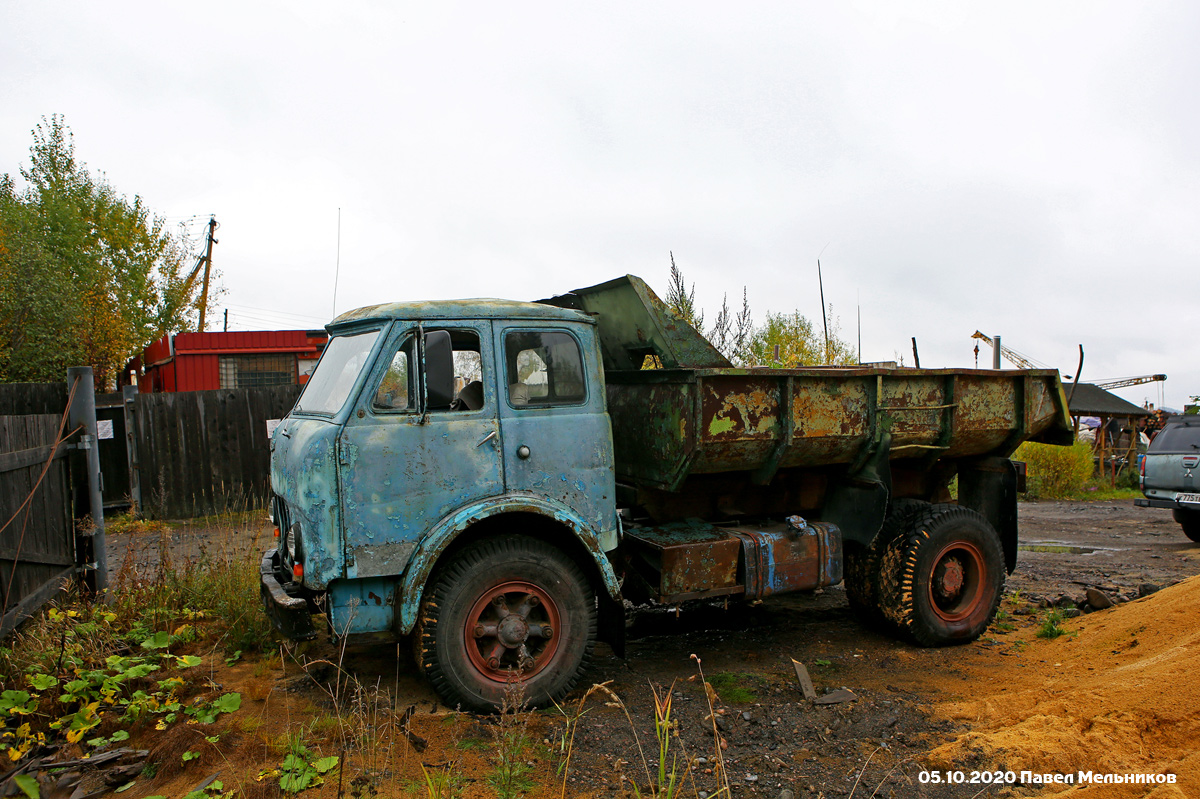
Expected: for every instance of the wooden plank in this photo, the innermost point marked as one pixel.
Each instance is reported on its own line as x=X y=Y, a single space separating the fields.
x=30 y=603
x=24 y=458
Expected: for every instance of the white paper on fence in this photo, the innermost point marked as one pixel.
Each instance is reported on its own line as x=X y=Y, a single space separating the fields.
x=104 y=428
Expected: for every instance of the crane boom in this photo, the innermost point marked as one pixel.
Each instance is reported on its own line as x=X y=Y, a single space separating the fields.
x=1129 y=381
x=1017 y=360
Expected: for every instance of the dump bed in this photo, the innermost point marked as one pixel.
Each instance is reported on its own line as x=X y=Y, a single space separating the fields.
x=697 y=414
x=671 y=423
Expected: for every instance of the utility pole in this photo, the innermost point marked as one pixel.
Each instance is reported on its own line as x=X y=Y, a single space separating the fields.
x=207 y=260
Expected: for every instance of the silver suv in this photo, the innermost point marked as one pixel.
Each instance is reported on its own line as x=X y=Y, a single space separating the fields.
x=1168 y=473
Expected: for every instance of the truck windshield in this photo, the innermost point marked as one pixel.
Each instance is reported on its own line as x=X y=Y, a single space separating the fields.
x=330 y=385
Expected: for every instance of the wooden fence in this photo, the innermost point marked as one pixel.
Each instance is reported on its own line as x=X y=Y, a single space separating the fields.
x=38 y=545
x=191 y=453
x=205 y=452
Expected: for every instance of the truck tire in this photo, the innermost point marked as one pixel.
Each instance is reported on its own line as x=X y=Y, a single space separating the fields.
x=861 y=578
x=505 y=611
x=941 y=582
x=1189 y=520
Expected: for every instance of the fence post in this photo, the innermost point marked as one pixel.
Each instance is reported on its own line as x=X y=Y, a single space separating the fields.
x=83 y=412
x=129 y=396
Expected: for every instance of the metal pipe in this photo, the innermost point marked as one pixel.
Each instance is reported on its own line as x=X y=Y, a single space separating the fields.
x=996 y=352
x=83 y=412
x=129 y=396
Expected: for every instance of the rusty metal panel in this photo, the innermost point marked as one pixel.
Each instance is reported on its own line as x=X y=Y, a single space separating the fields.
x=692 y=559
x=799 y=556
x=653 y=426
x=668 y=424
x=633 y=322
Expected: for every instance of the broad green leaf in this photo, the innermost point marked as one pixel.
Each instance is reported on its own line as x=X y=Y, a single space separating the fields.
x=43 y=682
x=228 y=703
x=120 y=735
x=187 y=661
x=324 y=764
x=160 y=640
x=28 y=786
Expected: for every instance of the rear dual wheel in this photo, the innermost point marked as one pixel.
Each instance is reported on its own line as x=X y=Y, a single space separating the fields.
x=941 y=578
x=504 y=615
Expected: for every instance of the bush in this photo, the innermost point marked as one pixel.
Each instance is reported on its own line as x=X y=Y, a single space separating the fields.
x=1056 y=472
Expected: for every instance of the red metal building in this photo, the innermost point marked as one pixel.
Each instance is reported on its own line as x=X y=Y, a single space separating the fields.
x=203 y=361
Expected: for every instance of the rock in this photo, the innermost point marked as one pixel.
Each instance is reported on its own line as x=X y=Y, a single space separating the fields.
x=786 y=793
x=1146 y=589
x=836 y=697
x=1064 y=601
x=746 y=716
x=1071 y=613
x=1098 y=599
x=751 y=778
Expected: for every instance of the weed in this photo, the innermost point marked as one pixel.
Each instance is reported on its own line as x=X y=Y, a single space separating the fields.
x=719 y=771
x=299 y=770
x=664 y=726
x=510 y=778
x=130 y=522
x=1051 y=625
x=1002 y=622
x=444 y=781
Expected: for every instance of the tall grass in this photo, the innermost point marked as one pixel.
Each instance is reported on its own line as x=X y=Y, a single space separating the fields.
x=219 y=585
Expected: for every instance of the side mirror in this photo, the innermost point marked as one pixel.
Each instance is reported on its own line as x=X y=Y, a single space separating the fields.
x=439 y=370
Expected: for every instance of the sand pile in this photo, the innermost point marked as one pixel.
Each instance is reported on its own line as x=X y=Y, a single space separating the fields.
x=1121 y=695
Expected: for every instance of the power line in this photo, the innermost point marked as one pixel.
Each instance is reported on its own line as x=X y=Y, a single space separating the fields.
x=274 y=312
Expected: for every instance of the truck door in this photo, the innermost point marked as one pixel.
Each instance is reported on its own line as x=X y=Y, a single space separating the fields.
x=557 y=440
x=404 y=461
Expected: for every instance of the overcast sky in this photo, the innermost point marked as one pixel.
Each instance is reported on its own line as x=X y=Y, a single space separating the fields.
x=1027 y=169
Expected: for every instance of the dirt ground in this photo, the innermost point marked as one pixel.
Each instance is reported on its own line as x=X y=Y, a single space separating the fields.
x=1008 y=701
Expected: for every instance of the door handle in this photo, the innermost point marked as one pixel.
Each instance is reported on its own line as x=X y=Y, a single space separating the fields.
x=486 y=439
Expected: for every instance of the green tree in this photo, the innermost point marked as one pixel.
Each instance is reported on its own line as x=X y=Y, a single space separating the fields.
x=798 y=343
x=87 y=276
x=682 y=301
x=730 y=332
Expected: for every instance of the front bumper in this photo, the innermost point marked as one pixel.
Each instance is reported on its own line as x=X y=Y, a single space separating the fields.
x=290 y=615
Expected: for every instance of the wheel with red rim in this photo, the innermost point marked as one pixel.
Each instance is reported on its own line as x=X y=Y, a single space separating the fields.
x=941 y=582
x=510 y=629
x=506 y=611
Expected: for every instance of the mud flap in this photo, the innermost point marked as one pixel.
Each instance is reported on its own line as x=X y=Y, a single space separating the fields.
x=989 y=486
x=611 y=625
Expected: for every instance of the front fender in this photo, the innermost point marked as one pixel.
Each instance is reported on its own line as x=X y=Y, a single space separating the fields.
x=444 y=532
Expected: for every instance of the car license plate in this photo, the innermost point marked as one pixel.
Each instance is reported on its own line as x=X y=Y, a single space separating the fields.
x=1188 y=499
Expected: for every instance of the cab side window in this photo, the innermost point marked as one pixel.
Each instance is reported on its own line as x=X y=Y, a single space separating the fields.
x=543 y=368
x=399 y=389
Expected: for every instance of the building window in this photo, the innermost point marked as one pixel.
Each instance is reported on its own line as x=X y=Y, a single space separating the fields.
x=251 y=371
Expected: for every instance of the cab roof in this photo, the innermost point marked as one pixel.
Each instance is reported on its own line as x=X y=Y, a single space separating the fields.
x=482 y=308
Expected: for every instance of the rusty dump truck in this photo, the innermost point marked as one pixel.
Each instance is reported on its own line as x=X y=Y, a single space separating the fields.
x=502 y=482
